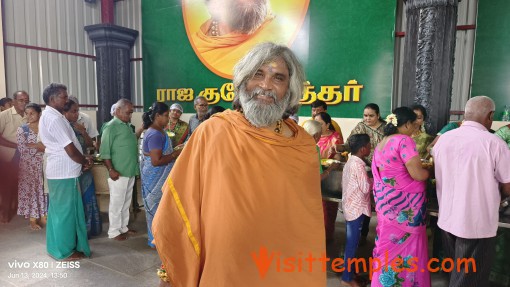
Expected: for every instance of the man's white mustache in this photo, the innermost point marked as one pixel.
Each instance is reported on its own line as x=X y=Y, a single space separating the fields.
x=259 y=91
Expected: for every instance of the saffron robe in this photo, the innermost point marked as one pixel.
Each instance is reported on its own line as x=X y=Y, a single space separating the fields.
x=235 y=192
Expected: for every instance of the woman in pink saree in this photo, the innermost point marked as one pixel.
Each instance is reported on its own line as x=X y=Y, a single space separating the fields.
x=400 y=253
x=329 y=137
x=327 y=143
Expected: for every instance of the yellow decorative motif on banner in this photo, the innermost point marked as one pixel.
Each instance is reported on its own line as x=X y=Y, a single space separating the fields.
x=172 y=95
x=161 y=95
x=352 y=85
x=309 y=96
x=227 y=92
x=211 y=95
x=185 y=95
x=330 y=95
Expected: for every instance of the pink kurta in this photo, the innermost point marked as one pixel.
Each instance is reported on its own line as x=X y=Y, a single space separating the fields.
x=469 y=164
x=356 y=187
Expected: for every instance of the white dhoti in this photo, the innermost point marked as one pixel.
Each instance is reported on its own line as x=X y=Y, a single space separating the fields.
x=121 y=191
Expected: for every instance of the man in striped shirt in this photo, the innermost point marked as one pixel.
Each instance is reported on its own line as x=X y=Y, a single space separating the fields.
x=356 y=188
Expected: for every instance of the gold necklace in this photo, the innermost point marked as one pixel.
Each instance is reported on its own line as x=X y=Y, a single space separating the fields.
x=278 y=128
x=176 y=125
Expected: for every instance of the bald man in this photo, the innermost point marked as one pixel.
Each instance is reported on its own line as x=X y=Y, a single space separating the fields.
x=472 y=172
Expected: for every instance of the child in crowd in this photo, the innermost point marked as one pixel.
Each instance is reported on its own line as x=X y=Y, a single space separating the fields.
x=356 y=188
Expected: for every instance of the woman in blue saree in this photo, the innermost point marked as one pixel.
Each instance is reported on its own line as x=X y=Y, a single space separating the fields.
x=158 y=159
x=88 y=189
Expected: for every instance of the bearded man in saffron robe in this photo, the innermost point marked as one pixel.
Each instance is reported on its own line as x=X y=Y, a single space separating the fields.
x=242 y=205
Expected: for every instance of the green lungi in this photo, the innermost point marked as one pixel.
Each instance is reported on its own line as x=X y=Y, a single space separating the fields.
x=66 y=230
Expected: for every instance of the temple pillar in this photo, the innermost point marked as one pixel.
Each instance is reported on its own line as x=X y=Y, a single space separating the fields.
x=429 y=57
x=113 y=68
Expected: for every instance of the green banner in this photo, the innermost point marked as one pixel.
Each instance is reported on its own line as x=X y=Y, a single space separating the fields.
x=491 y=68
x=345 y=46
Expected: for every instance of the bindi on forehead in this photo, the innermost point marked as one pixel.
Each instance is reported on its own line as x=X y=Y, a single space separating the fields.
x=277 y=66
x=271 y=67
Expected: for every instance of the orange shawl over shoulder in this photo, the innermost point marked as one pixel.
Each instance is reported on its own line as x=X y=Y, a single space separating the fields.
x=234 y=190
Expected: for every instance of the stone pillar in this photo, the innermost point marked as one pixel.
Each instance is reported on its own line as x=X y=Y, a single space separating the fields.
x=113 y=49
x=429 y=57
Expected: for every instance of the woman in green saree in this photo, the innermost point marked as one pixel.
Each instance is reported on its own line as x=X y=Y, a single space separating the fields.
x=176 y=129
x=420 y=137
x=372 y=125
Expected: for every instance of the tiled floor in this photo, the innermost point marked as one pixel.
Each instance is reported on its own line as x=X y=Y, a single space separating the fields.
x=112 y=263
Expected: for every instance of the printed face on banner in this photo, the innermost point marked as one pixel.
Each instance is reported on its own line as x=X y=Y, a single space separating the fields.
x=222 y=31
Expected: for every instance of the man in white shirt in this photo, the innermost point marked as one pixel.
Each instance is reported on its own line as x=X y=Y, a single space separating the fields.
x=66 y=233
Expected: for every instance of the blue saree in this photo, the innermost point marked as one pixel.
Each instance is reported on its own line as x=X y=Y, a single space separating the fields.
x=88 y=196
x=153 y=178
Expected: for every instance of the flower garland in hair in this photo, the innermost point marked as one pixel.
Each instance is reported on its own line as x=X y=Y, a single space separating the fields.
x=392 y=118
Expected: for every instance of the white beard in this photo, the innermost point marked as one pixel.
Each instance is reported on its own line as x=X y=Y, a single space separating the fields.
x=258 y=113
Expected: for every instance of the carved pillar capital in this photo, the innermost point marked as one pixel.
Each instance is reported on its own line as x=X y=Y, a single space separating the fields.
x=113 y=69
x=419 y=4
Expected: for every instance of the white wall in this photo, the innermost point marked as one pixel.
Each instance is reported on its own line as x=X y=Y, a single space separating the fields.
x=346 y=124
x=136 y=120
